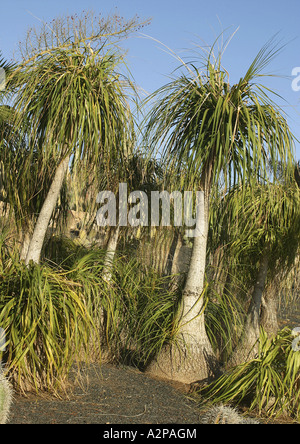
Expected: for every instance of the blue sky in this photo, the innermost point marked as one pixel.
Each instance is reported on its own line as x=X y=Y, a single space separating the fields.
x=180 y=24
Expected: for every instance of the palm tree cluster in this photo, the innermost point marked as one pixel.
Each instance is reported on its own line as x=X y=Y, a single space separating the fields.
x=68 y=130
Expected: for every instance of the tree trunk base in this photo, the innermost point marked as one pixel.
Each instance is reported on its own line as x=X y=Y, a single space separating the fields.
x=185 y=363
x=247 y=348
x=269 y=318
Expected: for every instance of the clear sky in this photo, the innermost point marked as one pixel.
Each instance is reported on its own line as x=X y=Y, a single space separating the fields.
x=179 y=24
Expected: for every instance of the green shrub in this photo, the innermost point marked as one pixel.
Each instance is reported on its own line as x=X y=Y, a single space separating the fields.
x=47 y=323
x=140 y=311
x=53 y=313
x=269 y=383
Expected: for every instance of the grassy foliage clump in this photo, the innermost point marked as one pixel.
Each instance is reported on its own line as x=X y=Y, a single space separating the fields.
x=140 y=308
x=47 y=322
x=55 y=314
x=269 y=383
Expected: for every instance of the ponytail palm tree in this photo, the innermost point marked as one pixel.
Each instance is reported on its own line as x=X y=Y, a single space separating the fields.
x=214 y=131
x=73 y=101
x=260 y=226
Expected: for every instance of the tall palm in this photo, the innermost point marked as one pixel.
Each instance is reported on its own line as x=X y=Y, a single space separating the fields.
x=213 y=130
x=260 y=227
x=74 y=100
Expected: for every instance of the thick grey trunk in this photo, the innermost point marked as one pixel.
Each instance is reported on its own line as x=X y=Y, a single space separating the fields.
x=38 y=237
x=180 y=264
x=192 y=302
x=194 y=359
x=247 y=347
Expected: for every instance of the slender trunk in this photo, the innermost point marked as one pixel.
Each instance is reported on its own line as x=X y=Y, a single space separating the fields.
x=106 y=274
x=194 y=359
x=247 y=347
x=25 y=245
x=110 y=254
x=39 y=233
x=27 y=231
x=171 y=255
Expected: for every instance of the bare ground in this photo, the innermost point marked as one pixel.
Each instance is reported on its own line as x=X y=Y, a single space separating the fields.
x=110 y=395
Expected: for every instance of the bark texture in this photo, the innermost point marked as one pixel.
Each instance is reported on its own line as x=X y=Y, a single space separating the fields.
x=269 y=311
x=191 y=358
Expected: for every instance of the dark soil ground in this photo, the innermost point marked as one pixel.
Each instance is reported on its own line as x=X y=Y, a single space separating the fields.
x=115 y=395
x=110 y=395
